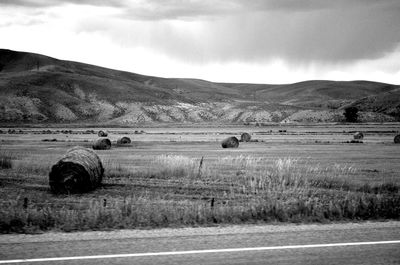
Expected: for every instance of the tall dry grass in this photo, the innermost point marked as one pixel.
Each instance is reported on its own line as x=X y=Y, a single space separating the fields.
x=173 y=166
x=178 y=190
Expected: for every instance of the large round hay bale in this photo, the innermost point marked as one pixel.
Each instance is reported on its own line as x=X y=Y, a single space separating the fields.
x=124 y=140
x=245 y=137
x=102 y=133
x=102 y=144
x=358 y=136
x=230 y=142
x=79 y=170
x=397 y=139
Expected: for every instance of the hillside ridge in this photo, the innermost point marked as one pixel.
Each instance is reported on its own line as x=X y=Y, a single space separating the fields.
x=35 y=88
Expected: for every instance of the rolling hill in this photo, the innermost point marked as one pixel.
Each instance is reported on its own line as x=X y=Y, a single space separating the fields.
x=39 y=89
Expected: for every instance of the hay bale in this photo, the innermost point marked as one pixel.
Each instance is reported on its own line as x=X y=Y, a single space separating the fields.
x=397 y=139
x=102 y=144
x=358 y=136
x=230 y=142
x=245 y=137
x=124 y=140
x=102 y=133
x=79 y=170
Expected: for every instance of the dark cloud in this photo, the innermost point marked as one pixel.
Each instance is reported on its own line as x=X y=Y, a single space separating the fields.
x=187 y=10
x=317 y=31
x=179 y=9
x=312 y=5
x=320 y=35
x=202 y=31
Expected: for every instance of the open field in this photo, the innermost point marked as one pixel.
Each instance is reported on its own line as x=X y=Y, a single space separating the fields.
x=291 y=174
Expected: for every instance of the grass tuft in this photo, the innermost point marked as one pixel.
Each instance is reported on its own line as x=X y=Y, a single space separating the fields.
x=5 y=160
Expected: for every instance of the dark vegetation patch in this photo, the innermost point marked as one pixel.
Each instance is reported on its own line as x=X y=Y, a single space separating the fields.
x=5 y=160
x=50 y=140
x=354 y=142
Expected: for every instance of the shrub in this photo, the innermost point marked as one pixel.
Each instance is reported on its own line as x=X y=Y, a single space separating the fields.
x=351 y=114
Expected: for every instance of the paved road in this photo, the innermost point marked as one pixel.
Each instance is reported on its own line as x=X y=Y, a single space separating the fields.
x=291 y=244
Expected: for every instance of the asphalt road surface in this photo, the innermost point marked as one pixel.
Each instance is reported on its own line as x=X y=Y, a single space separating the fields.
x=354 y=243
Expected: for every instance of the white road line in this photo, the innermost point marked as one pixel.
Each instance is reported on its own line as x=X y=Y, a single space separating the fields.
x=188 y=252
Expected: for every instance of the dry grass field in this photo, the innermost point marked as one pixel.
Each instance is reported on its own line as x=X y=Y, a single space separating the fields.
x=182 y=177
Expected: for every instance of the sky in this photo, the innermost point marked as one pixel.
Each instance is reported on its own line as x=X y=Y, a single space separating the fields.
x=251 y=41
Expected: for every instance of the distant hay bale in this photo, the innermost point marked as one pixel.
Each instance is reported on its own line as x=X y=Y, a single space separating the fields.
x=102 y=133
x=124 y=140
x=358 y=136
x=79 y=170
x=102 y=144
x=245 y=137
x=397 y=139
x=230 y=142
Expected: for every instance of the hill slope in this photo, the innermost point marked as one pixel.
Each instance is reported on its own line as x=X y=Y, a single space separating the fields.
x=36 y=88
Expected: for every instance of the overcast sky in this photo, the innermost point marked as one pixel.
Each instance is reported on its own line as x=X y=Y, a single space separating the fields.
x=259 y=41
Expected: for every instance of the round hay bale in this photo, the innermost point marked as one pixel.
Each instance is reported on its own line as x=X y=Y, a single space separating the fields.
x=397 y=139
x=245 y=137
x=79 y=170
x=102 y=133
x=102 y=144
x=124 y=140
x=230 y=142
x=358 y=136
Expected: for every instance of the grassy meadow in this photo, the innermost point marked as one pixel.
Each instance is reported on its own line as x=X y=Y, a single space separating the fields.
x=182 y=177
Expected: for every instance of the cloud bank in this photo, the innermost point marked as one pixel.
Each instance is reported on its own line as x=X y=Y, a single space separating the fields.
x=310 y=36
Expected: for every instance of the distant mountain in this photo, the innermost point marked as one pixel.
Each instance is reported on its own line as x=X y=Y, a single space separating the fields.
x=39 y=89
